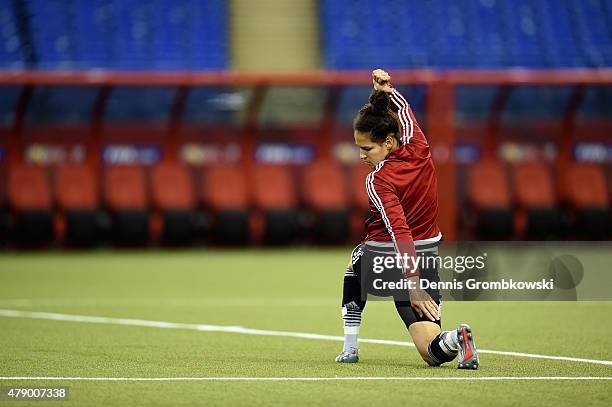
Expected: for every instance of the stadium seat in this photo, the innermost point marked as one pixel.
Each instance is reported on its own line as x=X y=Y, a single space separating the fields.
x=78 y=197
x=275 y=196
x=29 y=197
x=489 y=195
x=537 y=201
x=324 y=194
x=173 y=195
x=225 y=195
x=360 y=203
x=359 y=196
x=585 y=190
x=125 y=194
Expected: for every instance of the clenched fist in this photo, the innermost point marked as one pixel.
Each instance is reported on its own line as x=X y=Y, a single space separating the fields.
x=381 y=80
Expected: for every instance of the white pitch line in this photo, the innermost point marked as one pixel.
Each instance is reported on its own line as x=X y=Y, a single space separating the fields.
x=174 y=302
x=249 y=331
x=308 y=379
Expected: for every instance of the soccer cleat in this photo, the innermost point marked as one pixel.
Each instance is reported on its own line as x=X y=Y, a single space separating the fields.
x=350 y=356
x=468 y=357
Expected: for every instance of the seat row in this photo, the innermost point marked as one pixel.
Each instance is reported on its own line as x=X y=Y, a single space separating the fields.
x=175 y=204
x=322 y=203
x=531 y=201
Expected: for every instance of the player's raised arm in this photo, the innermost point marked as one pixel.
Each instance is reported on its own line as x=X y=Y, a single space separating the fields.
x=382 y=81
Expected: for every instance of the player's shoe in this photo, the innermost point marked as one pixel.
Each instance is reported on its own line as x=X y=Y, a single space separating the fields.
x=348 y=356
x=468 y=357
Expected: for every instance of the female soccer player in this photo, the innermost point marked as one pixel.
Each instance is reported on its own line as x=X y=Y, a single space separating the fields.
x=403 y=205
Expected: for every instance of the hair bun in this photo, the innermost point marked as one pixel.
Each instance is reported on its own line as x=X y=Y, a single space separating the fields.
x=380 y=102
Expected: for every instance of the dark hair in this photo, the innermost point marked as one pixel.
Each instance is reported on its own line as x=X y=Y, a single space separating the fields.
x=376 y=118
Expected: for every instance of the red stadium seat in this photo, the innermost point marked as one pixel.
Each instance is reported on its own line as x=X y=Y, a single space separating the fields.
x=273 y=187
x=488 y=186
x=533 y=186
x=78 y=197
x=173 y=195
x=29 y=197
x=225 y=187
x=585 y=186
x=358 y=174
x=274 y=194
x=125 y=188
x=125 y=194
x=324 y=186
x=324 y=193
x=360 y=202
x=76 y=188
x=225 y=194
x=28 y=188
x=489 y=195
x=172 y=188
x=585 y=190
x=537 y=201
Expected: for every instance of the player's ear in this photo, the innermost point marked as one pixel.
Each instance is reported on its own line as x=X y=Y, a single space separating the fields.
x=389 y=141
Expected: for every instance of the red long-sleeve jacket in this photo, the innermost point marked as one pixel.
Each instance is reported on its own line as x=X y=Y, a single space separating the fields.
x=403 y=190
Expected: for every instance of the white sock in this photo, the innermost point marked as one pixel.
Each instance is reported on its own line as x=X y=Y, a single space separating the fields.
x=350 y=338
x=450 y=340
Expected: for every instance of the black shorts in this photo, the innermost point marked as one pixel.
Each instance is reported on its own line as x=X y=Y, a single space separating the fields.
x=366 y=262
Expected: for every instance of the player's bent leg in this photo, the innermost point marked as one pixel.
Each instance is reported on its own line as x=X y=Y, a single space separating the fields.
x=436 y=346
x=426 y=335
x=423 y=333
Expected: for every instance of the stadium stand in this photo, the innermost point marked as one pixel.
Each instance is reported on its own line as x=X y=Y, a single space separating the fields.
x=466 y=34
x=113 y=34
x=29 y=196
x=77 y=193
x=126 y=197
x=219 y=128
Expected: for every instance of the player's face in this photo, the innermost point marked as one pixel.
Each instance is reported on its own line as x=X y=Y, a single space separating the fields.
x=371 y=153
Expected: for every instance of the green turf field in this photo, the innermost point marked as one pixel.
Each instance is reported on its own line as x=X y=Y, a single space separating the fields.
x=290 y=291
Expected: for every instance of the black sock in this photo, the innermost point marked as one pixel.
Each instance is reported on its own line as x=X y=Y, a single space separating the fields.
x=439 y=352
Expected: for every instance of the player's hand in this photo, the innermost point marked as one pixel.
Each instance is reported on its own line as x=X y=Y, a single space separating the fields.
x=423 y=304
x=381 y=80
